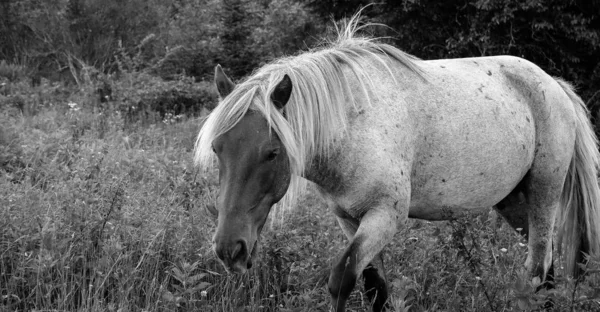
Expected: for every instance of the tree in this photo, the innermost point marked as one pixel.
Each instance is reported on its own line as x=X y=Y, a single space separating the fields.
x=562 y=37
x=238 y=23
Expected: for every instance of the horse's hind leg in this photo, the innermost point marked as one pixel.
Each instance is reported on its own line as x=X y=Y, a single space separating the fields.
x=514 y=210
x=542 y=188
x=374 y=274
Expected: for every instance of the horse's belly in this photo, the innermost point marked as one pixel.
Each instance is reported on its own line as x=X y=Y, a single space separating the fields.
x=473 y=177
x=471 y=158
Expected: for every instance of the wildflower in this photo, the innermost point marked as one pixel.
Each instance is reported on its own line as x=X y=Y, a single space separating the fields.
x=522 y=245
x=73 y=106
x=503 y=249
x=203 y=294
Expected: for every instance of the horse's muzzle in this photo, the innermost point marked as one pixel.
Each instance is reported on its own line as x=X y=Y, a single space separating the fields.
x=235 y=256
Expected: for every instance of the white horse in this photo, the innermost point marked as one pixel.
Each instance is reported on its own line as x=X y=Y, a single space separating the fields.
x=388 y=137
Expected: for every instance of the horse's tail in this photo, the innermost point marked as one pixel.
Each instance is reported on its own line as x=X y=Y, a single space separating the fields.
x=579 y=219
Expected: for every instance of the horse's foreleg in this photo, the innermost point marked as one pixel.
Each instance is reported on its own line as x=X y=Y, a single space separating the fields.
x=377 y=228
x=374 y=274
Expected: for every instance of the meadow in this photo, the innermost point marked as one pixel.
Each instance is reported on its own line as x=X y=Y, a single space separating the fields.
x=102 y=209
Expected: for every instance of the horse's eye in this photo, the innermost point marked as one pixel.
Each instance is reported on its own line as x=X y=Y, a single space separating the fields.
x=213 y=149
x=272 y=155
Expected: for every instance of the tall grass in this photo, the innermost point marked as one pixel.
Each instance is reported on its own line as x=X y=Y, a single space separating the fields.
x=97 y=215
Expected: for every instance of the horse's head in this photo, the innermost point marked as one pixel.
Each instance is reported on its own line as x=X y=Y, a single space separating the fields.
x=254 y=174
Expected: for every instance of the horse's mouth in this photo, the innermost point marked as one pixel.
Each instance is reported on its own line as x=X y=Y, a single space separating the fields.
x=240 y=267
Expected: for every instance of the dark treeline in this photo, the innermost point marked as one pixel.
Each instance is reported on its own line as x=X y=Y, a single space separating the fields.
x=54 y=39
x=561 y=36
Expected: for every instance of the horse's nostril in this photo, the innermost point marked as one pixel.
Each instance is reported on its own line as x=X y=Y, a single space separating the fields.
x=239 y=250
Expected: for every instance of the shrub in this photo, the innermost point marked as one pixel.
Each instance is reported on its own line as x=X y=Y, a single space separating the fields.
x=12 y=72
x=146 y=99
x=12 y=104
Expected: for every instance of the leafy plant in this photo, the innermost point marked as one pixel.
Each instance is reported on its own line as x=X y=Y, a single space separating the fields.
x=12 y=72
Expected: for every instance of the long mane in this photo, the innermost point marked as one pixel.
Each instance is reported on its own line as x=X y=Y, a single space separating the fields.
x=316 y=112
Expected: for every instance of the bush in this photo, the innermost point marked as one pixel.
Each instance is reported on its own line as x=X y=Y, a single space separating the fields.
x=12 y=104
x=12 y=72
x=147 y=99
x=175 y=63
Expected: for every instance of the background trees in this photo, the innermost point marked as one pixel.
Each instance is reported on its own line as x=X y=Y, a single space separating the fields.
x=562 y=37
x=54 y=39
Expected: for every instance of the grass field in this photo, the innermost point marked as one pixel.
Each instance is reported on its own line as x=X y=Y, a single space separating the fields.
x=98 y=214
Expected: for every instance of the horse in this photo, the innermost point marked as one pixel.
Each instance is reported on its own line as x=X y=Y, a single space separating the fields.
x=385 y=137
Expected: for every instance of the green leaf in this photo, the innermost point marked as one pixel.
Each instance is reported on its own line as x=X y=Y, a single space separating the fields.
x=198 y=287
x=594 y=294
x=536 y=281
x=194 y=279
x=520 y=285
x=523 y=304
x=180 y=276
x=168 y=296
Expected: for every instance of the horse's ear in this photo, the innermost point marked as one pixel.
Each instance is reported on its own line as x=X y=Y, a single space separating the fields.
x=281 y=93
x=224 y=84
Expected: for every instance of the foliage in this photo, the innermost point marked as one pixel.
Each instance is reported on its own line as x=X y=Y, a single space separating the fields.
x=188 y=37
x=272 y=40
x=98 y=216
x=562 y=37
x=11 y=72
x=257 y=31
x=336 y=9
x=97 y=29
x=236 y=36
x=11 y=152
x=170 y=38
x=58 y=35
x=145 y=99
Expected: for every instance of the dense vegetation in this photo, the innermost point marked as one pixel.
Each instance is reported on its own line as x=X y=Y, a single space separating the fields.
x=562 y=37
x=101 y=208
